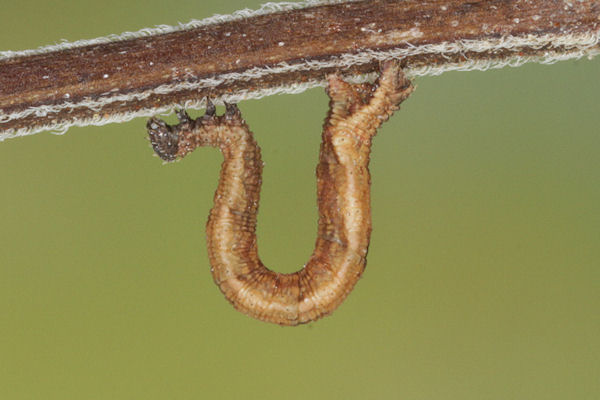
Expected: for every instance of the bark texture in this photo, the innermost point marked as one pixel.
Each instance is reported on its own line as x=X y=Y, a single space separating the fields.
x=114 y=81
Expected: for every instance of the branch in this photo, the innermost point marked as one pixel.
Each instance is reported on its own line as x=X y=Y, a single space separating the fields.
x=280 y=48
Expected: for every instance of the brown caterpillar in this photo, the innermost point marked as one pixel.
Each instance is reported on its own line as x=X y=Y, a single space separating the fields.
x=343 y=193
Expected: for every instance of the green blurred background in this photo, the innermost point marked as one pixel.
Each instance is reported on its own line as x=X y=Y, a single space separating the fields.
x=483 y=280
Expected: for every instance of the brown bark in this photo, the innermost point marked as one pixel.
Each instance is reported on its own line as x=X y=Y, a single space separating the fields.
x=318 y=33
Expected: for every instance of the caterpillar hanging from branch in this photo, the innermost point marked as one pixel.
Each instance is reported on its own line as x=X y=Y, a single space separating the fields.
x=343 y=194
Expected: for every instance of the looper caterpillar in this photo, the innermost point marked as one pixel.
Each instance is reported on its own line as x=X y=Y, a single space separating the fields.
x=343 y=194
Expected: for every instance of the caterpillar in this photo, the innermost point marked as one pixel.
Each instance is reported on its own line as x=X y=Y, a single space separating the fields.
x=343 y=195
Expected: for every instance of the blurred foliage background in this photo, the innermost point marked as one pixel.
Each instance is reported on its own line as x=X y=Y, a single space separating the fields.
x=483 y=280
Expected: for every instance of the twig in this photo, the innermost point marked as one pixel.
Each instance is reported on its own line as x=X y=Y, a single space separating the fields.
x=280 y=49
